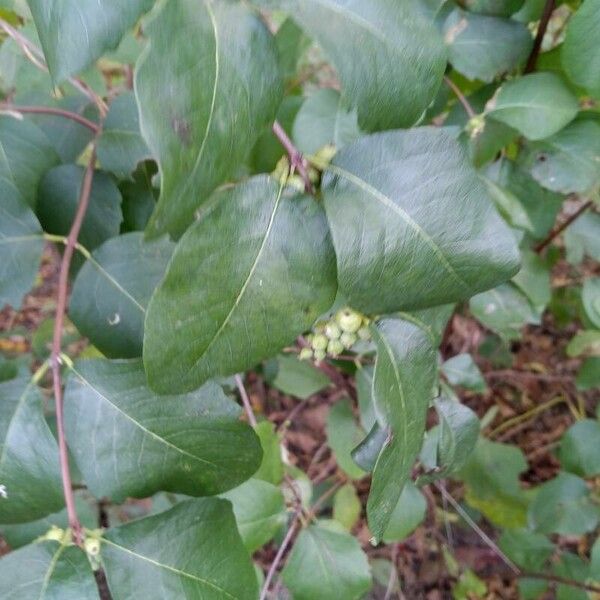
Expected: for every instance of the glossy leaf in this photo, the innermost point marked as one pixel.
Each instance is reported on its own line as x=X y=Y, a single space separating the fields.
x=323 y=120
x=25 y=155
x=58 y=199
x=580 y=52
x=337 y=566
x=29 y=472
x=21 y=246
x=408 y=514
x=404 y=45
x=243 y=283
x=112 y=290
x=420 y=232
x=47 y=570
x=74 y=33
x=121 y=146
x=483 y=47
x=503 y=8
x=569 y=161
x=259 y=511
x=578 y=452
x=403 y=382
x=462 y=370
x=207 y=85
x=538 y=105
x=343 y=434
x=175 y=555
x=192 y=444
x=271 y=467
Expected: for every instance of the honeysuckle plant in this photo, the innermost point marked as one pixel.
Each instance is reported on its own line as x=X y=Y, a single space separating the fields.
x=215 y=210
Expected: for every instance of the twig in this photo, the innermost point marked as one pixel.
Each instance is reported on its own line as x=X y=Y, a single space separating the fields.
x=558 y=579
x=36 y=56
x=393 y=572
x=297 y=161
x=55 y=357
x=461 y=97
x=245 y=400
x=539 y=38
x=556 y=231
x=47 y=110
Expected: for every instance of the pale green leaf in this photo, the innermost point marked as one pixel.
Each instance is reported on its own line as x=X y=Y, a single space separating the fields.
x=590 y=297
x=207 y=85
x=463 y=371
x=585 y=342
x=191 y=444
x=271 y=467
x=408 y=514
x=298 y=378
x=243 y=283
x=578 y=452
x=347 y=506
x=583 y=238
x=343 y=434
x=503 y=8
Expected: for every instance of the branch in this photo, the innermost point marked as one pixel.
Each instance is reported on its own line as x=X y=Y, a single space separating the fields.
x=55 y=357
x=297 y=161
x=539 y=38
x=564 y=580
x=47 y=110
x=556 y=231
x=280 y=552
x=461 y=97
x=245 y=400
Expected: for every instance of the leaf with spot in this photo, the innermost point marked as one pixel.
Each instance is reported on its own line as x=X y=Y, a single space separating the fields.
x=208 y=84
x=21 y=246
x=403 y=382
x=74 y=33
x=254 y=273
x=47 y=570
x=112 y=290
x=190 y=551
x=29 y=473
x=390 y=58
x=191 y=444
x=412 y=224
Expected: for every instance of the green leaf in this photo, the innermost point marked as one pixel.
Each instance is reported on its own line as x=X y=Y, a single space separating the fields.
x=47 y=570
x=578 y=452
x=21 y=246
x=469 y=586
x=431 y=320
x=112 y=290
x=502 y=8
x=463 y=371
x=323 y=120
x=207 y=85
x=403 y=381
x=483 y=47
x=429 y=220
x=491 y=475
x=121 y=146
x=569 y=161
x=580 y=52
x=25 y=155
x=58 y=199
x=192 y=444
x=408 y=514
x=271 y=467
x=343 y=434
x=504 y=310
x=526 y=548
x=509 y=206
x=538 y=105
x=292 y=42
x=389 y=57
x=74 y=33
x=347 y=506
x=259 y=511
x=191 y=551
x=588 y=377
x=328 y=565
x=243 y=283
x=563 y=505
x=364 y=391
x=590 y=297
x=582 y=238
x=29 y=473
x=139 y=199
x=366 y=453
x=584 y=342
x=298 y=378
x=534 y=280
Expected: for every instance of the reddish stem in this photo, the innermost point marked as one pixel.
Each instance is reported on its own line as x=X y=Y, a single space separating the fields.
x=461 y=97
x=539 y=38
x=297 y=161
x=556 y=231
x=61 y=307
x=47 y=110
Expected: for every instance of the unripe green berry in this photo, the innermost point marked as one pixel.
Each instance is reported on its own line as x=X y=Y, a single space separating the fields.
x=320 y=355
x=92 y=546
x=335 y=347
x=349 y=320
x=332 y=331
x=348 y=339
x=306 y=354
x=319 y=342
x=364 y=333
x=296 y=182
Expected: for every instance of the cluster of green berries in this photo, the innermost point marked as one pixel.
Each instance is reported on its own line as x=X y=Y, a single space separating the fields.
x=317 y=163
x=340 y=333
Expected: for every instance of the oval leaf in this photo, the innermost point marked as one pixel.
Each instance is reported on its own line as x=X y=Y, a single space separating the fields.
x=243 y=283
x=412 y=224
x=129 y=442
